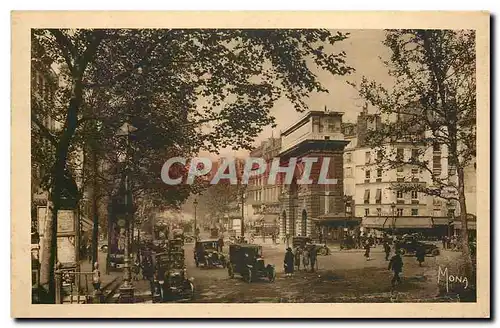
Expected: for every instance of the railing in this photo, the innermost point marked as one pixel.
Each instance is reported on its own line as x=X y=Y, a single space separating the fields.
x=75 y=287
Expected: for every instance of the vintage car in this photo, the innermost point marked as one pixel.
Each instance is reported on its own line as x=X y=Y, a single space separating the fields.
x=173 y=282
x=410 y=246
x=206 y=253
x=301 y=242
x=247 y=261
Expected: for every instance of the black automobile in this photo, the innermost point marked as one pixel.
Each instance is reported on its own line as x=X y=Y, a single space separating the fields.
x=247 y=260
x=410 y=246
x=301 y=242
x=173 y=281
x=206 y=253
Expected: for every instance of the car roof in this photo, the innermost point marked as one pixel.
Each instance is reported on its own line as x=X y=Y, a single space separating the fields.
x=207 y=241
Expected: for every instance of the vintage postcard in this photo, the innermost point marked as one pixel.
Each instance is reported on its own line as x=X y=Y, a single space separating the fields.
x=205 y=164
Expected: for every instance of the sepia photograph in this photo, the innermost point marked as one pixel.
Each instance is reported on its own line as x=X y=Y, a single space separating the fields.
x=220 y=165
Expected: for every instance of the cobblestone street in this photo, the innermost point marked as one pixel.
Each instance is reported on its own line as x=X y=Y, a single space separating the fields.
x=343 y=276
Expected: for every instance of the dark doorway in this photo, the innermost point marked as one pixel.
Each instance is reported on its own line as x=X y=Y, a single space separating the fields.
x=304 y=223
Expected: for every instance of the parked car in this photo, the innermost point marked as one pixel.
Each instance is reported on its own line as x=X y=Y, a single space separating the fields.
x=206 y=252
x=247 y=260
x=410 y=246
x=301 y=242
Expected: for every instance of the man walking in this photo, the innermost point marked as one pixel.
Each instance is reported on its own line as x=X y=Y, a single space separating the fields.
x=396 y=265
x=298 y=255
x=288 y=262
x=313 y=253
x=367 y=250
x=387 y=250
x=420 y=255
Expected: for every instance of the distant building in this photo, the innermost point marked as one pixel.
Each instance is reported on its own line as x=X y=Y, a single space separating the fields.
x=262 y=196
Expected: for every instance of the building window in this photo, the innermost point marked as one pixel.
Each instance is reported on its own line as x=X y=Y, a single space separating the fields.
x=348 y=157
x=400 y=154
x=414 y=154
x=367 y=211
x=414 y=194
x=436 y=147
x=380 y=155
x=414 y=211
x=379 y=212
x=400 y=179
x=367 y=196
x=399 y=194
x=399 y=212
x=414 y=170
x=367 y=157
x=320 y=128
x=367 y=174
x=378 y=196
x=436 y=164
x=348 y=172
x=379 y=173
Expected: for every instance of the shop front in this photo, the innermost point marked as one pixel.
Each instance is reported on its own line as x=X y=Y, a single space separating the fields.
x=332 y=229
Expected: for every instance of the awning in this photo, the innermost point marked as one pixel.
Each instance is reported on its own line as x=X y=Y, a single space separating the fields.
x=336 y=219
x=413 y=222
x=441 y=221
x=267 y=218
x=377 y=222
x=471 y=225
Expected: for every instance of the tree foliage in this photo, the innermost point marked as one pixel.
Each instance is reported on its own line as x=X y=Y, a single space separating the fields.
x=184 y=90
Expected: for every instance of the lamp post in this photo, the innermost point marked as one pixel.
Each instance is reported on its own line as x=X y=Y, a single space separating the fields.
x=393 y=206
x=195 y=204
x=127 y=289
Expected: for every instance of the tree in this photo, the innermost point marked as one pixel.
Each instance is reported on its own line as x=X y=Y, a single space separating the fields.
x=185 y=90
x=432 y=104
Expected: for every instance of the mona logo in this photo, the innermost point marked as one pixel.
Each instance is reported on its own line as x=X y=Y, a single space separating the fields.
x=448 y=278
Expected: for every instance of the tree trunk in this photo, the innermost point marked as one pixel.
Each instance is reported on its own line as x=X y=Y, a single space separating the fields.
x=94 y=206
x=463 y=219
x=49 y=256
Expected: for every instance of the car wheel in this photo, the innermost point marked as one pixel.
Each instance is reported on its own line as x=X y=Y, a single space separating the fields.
x=435 y=252
x=402 y=251
x=323 y=251
x=104 y=249
x=230 y=271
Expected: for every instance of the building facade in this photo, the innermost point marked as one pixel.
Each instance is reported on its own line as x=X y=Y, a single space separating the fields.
x=316 y=210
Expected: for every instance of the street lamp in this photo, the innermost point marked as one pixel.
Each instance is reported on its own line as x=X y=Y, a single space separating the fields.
x=127 y=289
x=195 y=204
x=393 y=206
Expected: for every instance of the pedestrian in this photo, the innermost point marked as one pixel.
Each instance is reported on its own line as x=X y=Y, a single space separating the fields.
x=305 y=258
x=313 y=254
x=96 y=277
x=367 y=250
x=420 y=255
x=396 y=265
x=298 y=255
x=220 y=243
x=444 y=242
x=288 y=262
x=387 y=250
x=320 y=237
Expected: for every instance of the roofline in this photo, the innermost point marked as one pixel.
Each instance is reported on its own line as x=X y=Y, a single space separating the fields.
x=297 y=124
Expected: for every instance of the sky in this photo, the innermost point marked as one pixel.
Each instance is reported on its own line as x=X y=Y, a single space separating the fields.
x=364 y=52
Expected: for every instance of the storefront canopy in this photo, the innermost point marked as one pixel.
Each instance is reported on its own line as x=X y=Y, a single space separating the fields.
x=377 y=222
x=413 y=222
